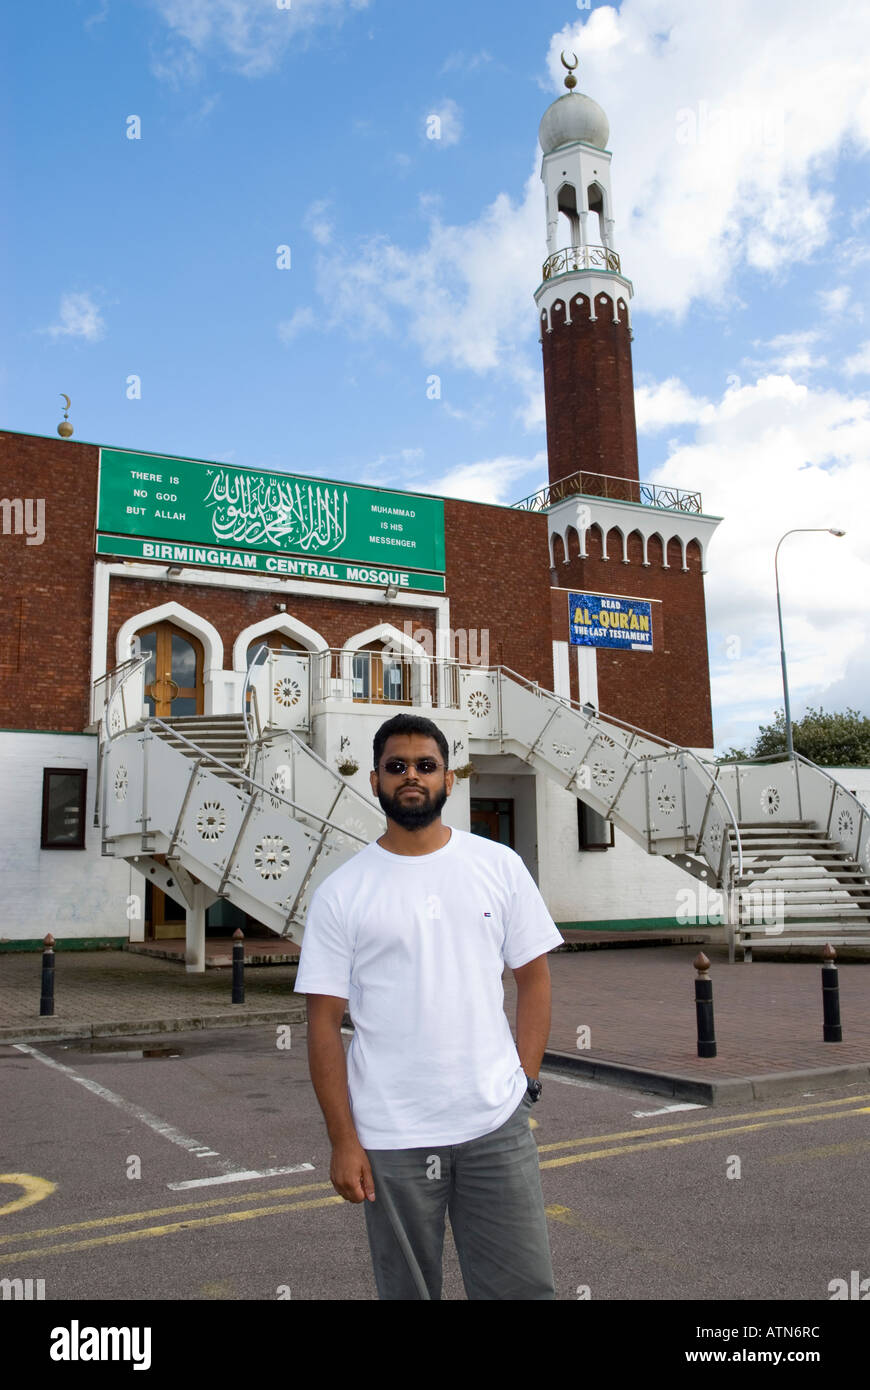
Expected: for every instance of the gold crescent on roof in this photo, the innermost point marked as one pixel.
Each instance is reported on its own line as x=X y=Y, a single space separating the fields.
x=65 y=398
x=570 y=66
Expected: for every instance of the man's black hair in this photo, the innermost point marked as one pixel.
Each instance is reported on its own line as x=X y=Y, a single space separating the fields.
x=409 y=724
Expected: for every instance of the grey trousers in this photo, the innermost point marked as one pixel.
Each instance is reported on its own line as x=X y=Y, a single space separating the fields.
x=491 y=1188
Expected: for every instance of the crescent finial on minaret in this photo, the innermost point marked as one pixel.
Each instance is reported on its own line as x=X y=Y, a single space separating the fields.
x=570 y=80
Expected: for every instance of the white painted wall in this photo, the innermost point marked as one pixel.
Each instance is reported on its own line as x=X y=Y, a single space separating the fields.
x=856 y=780
x=68 y=892
x=590 y=886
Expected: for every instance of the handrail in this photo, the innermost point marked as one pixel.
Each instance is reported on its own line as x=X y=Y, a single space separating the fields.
x=207 y=757
x=133 y=665
x=576 y=704
x=717 y=788
x=583 y=483
x=263 y=647
x=667 y=751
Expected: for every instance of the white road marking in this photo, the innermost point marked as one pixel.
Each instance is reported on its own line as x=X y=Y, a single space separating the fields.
x=666 y=1110
x=240 y=1177
x=161 y=1127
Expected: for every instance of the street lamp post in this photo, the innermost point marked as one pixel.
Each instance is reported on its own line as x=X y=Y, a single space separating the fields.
x=831 y=531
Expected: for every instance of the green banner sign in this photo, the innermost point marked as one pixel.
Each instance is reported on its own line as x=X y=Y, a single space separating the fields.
x=209 y=504
x=255 y=562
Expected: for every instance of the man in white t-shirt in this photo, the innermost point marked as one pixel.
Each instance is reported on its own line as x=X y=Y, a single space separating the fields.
x=428 y=1114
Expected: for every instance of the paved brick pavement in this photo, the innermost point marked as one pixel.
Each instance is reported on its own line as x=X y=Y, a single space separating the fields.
x=638 y=1005
x=99 y=991
x=640 y=1009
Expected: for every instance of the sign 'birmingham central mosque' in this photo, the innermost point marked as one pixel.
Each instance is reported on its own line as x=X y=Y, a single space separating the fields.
x=157 y=507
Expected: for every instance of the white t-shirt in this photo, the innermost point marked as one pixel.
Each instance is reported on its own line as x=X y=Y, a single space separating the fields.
x=417 y=944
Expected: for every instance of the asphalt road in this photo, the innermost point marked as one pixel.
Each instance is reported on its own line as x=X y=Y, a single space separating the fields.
x=232 y=1199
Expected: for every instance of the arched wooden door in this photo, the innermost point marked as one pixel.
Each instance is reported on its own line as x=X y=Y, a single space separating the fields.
x=174 y=674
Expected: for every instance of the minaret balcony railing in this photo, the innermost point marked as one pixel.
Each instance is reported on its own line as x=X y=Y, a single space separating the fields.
x=674 y=499
x=581 y=258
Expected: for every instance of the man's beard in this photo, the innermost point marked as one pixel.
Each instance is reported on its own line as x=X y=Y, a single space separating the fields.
x=413 y=813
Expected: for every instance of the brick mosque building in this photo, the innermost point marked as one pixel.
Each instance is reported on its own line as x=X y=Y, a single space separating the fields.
x=557 y=642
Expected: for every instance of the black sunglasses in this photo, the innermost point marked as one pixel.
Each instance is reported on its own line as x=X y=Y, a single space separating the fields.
x=397 y=766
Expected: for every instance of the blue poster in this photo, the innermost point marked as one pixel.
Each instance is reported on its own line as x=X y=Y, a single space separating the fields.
x=599 y=621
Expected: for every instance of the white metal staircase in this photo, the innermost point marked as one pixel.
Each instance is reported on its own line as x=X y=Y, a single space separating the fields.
x=799 y=887
x=186 y=816
x=258 y=818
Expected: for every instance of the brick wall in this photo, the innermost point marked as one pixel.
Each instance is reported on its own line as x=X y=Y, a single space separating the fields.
x=498 y=580
x=45 y=613
x=232 y=610
x=589 y=390
x=666 y=691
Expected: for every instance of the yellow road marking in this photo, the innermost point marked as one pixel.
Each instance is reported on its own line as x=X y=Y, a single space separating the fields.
x=149 y=1232
x=164 y=1211
x=40 y=1187
x=35 y=1189
x=674 y=1140
x=682 y=1125
x=614 y=1238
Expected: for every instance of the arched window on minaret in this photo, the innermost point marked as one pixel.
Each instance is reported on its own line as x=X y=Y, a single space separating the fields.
x=595 y=199
x=568 y=207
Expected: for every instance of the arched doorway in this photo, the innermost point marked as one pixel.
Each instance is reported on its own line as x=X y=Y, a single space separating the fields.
x=174 y=673
x=381 y=677
x=276 y=642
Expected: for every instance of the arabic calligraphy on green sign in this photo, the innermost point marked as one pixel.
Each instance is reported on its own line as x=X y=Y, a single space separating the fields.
x=212 y=503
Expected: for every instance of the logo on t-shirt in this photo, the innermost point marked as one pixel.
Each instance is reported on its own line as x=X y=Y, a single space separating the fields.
x=487 y=914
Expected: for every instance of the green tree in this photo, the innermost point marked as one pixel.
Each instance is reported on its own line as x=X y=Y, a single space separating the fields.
x=831 y=740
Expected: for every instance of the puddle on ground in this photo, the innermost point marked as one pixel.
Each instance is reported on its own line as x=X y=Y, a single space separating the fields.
x=123 y=1049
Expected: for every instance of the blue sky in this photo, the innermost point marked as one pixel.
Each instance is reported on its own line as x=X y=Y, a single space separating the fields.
x=740 y=138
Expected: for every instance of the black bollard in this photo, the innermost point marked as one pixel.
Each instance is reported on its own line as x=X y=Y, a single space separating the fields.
x=833 y=1029
x=704 y=1007
x=46 y=999
x=238 y=966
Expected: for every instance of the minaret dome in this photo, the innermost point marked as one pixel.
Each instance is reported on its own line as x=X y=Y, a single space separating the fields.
x=571 y=118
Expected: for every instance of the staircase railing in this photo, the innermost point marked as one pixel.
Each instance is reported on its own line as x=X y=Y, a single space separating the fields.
x=254 y=844
x=249 y=690
x=661 y=794
x=782 y=788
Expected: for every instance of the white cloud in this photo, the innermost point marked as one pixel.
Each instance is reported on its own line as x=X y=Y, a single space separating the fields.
x=769 y=457
x=318 y=223
x=395 y=468
x=99 y=16
x=788 y=352
x=79 y=317
x=751 y=190
x=303 y=318
x=666 y=403
x=253 y=33
x=732 y=167
x=464 y=297
x=833 y=301
x=466 y=62
x=859 y=363
x=442 y=124
x=490 y=480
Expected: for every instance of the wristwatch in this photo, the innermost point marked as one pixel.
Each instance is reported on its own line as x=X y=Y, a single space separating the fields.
x=534 y=1089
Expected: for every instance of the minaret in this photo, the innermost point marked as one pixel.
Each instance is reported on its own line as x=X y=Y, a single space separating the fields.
x=584 y=299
